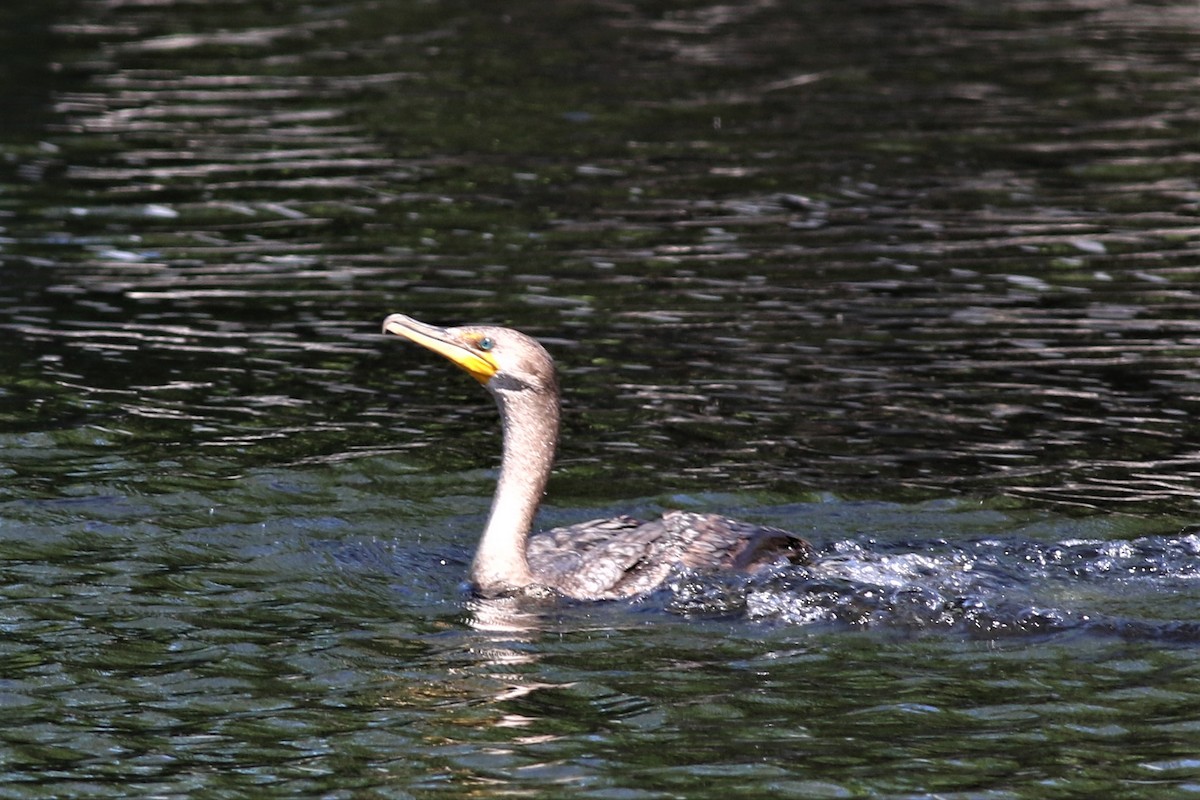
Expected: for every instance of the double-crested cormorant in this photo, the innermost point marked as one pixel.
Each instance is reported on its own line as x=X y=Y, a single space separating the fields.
x=597 y=560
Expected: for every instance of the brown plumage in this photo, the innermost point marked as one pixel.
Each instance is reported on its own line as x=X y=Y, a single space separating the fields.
x=597 y=560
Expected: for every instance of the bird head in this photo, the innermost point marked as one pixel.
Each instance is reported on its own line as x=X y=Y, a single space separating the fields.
x=499 y=358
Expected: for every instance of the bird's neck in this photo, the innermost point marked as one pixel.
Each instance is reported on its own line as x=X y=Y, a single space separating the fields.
x=530 y=421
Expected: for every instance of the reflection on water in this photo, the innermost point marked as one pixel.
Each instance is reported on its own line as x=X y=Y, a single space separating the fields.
x=900 y=252
x=764 y=266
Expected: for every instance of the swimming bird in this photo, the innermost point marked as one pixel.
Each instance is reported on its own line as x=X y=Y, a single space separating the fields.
x=602 y=559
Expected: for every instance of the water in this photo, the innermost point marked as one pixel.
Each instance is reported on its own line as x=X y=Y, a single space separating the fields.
x=917 y=281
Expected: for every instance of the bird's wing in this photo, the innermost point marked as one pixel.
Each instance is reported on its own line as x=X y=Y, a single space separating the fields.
x=602 y=558
x=708 y=542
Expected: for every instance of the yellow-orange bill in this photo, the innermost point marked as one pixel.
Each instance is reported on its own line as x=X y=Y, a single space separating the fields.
x=447 y=342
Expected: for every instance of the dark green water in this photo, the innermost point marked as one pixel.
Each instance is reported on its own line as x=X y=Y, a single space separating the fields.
x=918 y=280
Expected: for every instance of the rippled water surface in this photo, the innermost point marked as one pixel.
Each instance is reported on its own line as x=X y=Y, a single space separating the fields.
x=920 y=281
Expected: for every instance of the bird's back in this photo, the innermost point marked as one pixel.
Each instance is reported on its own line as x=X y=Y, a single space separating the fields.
x=624 y=557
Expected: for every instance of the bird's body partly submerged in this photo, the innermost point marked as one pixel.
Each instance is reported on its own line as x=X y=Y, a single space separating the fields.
x=597 y=560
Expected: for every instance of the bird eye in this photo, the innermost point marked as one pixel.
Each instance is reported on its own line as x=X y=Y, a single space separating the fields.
x=486 y=343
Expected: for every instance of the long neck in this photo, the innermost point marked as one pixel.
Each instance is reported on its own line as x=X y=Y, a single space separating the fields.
x=530 y=420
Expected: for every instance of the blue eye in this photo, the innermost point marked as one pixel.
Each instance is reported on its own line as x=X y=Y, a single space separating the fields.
x=486 y=343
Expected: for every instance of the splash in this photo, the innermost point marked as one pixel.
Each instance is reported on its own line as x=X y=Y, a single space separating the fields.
x=988 y=588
